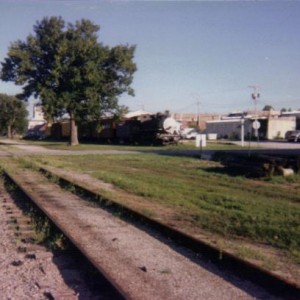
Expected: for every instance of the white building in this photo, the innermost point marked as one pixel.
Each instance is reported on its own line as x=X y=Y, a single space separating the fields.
x=277 y=127
x=38 y=116
x=270 y=127
x=36 y=125
x=228 y=128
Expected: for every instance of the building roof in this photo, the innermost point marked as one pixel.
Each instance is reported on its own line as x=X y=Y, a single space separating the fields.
x=137 y=113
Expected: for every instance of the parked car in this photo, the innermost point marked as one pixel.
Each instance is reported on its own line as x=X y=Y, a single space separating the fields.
x=293 y=135
x=189 y=133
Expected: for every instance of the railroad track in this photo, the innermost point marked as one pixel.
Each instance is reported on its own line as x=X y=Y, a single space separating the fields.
x=29 y=270
x=139 y=265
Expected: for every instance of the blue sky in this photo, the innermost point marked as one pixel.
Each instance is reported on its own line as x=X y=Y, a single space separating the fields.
x=187 y=51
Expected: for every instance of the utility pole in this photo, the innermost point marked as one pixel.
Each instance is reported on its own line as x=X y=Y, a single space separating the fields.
x=198 y=110
x=197 y=97
x=255 y=95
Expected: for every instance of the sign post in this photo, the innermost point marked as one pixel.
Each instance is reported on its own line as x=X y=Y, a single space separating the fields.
x=242 y=130
x=256 y=126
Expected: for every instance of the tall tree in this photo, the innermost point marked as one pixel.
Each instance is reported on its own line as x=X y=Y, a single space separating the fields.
x=70 y=71
x=13 y=115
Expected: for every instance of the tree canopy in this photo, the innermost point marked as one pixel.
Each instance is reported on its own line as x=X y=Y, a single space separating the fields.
x=268 y=108
x=13 y=115
x=70 y=71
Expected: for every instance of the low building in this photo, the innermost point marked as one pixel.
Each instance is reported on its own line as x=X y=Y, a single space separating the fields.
x=271 y=127
x=194 y=120
x=277 y=127
x=293 y=113
x=229 y=128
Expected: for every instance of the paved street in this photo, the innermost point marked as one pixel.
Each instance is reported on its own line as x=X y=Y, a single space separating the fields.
x=271 y=145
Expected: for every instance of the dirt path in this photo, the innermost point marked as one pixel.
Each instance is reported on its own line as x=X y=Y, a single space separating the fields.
x=18 y=148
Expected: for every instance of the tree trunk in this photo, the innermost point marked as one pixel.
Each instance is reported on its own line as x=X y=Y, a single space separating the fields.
x=9 y=132
x=73 y=133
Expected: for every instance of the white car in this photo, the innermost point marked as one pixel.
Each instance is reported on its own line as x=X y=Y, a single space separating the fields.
x=189 y=133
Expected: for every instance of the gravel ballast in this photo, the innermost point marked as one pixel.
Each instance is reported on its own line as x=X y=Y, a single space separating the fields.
x=29 y=271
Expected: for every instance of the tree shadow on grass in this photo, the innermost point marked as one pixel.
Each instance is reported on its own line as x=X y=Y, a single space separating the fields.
x=235 y=172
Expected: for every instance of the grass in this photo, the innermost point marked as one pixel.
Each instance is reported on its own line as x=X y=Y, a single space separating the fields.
x=187 y=145
x=260 y=211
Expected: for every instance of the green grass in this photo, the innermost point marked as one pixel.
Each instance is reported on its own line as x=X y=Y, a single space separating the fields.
x=267 y=212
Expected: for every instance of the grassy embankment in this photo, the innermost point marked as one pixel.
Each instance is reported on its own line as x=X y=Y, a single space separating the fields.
x=203 y=196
